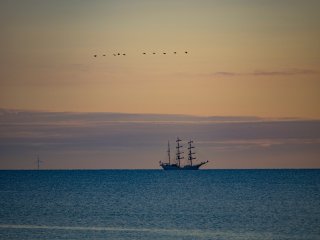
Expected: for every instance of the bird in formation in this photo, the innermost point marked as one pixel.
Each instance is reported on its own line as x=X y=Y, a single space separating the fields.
x=144 y=53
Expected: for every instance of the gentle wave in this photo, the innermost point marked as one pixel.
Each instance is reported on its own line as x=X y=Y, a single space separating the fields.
x=175 y=232
x=188 y=232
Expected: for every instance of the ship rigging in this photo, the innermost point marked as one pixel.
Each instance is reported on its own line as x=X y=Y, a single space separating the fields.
x=179 y=157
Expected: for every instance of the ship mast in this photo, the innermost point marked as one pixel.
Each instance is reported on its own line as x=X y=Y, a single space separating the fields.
x=178 y=155
x=169 y=152
x=190 y=153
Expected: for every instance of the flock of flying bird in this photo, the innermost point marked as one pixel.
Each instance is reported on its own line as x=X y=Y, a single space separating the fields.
x=144 y=53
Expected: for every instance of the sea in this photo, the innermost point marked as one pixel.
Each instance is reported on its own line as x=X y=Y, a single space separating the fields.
x=157 y=204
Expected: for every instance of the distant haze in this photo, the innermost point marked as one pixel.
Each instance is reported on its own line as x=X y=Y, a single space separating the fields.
x=111 y=140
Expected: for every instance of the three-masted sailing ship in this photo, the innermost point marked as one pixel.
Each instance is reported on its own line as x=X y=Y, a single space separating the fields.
x=177 y=165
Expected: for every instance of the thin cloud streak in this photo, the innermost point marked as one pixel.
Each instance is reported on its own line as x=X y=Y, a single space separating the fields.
x=114 y=140
x=262 y=73
x=256 y=73
x=227 y=145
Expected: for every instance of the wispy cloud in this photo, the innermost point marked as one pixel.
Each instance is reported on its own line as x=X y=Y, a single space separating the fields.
x=242 y=144
x=137 y=140
x=255 y=73
x=261 y=73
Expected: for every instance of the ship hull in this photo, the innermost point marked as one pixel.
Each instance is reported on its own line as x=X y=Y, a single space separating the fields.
x=170 y=166
x=194 y=167
x=167 y=166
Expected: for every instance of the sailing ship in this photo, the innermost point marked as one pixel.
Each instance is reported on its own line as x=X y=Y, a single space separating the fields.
x=178 y=163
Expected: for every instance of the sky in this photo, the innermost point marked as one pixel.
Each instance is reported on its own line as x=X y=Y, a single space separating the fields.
x=246 y=59
x=139 y=141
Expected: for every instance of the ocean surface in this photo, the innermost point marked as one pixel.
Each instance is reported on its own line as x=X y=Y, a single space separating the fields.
x=156 y=204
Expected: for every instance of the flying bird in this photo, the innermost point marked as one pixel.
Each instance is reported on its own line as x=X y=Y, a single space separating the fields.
x=144 y=53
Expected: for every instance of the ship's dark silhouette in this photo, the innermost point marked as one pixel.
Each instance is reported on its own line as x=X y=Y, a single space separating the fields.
x=178 y=165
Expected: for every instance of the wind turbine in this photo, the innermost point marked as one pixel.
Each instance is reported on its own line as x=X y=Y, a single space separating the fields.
x=38 y=162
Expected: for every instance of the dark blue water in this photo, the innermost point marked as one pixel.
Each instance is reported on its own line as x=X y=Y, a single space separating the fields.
x=155 y=204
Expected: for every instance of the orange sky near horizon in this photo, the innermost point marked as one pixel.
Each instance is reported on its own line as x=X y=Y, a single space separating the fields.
x=257 y=58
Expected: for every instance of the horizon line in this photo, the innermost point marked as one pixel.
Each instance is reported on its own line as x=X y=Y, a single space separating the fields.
x=147 y=169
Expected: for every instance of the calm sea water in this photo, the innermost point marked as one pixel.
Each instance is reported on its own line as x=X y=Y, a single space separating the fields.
x=155 y=204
